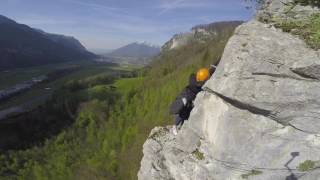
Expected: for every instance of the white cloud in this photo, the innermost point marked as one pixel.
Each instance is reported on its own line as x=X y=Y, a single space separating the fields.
x=165 y=4
x=95 y=6
x=136 y=26
x=11 y=2
x=170 y=5
x=38 y=20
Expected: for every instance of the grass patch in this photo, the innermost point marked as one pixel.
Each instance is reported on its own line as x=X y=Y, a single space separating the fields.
x=307 y=165
x=251 y=173
x=199 y=155
x=309 y=29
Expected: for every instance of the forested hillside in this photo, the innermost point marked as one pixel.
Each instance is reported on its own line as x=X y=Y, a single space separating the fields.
x=105 y=141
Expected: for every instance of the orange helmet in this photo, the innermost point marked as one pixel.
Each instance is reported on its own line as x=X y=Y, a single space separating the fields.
x=203 y=75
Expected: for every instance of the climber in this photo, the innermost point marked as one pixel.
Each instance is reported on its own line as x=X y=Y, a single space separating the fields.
x=183 y=104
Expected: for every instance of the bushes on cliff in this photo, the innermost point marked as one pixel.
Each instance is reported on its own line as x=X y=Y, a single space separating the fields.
x=309 y=30
x=309 y=2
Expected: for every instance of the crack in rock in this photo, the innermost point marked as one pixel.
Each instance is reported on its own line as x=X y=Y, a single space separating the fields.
x=254 y=110
x=243 y=106
x=310 y=72
x=285 y=76
x=298 y=129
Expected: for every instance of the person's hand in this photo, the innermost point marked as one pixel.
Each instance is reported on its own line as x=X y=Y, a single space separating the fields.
x=212 y=69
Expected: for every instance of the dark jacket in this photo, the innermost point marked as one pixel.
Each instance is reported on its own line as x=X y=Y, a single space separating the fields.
x=189 y=93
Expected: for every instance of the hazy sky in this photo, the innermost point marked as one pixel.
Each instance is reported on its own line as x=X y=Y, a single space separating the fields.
x=108 y=24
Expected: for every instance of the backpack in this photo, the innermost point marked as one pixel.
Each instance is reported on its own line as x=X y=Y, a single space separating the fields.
x=177 y=106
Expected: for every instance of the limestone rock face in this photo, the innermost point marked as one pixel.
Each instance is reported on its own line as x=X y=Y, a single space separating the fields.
x=257 y=118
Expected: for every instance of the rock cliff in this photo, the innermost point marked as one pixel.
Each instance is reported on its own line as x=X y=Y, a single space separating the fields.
x=201 y=34
x=257 y=118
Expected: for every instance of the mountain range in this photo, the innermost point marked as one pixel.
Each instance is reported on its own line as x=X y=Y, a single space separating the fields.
x=23 y=46
x=134 y=53
x=143 y=53
x=137 y=50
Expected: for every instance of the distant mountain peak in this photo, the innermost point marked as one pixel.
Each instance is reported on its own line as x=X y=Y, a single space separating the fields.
x=137 y=50
x=145 y=43
x=4 y=19
x=134 y=53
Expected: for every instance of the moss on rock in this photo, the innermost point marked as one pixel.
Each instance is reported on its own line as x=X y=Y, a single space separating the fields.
x=306 y=165
x=251 y=173
x=199 y=155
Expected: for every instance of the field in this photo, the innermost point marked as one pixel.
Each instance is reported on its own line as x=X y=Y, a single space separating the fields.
x=85 y=69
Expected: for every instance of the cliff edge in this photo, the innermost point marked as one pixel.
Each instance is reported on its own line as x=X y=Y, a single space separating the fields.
x=257 y=118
